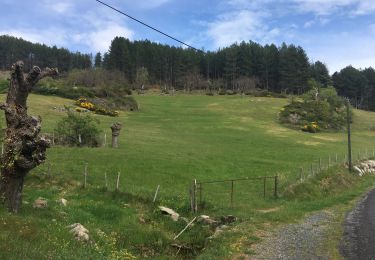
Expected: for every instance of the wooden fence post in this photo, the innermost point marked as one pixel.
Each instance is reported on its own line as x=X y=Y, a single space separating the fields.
x=276 y=183
x=337 y=159
x=195 y=196
x=85 y=174
x=105 y=180
x=118 y=182
x=156 y=193
x=231 y=194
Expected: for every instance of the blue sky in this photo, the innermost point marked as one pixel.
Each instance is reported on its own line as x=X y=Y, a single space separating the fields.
x=337 y=32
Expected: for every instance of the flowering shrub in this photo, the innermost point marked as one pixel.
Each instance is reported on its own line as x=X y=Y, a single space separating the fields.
x=84 y=103
x=319 y=109
x=312 y=127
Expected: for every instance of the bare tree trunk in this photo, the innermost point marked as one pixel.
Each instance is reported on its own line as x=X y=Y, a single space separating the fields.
x=24 y=148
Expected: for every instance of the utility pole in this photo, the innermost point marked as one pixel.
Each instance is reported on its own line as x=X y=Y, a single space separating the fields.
x=348 y=119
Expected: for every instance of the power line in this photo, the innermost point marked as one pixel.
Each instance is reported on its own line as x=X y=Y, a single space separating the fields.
x=149 y=26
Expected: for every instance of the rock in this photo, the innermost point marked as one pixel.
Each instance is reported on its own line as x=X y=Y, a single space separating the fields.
x=227 y=219
x=141 y=219
x=365 y=167
x=40 y=203
x=167 y=211
x=206 y=220
x=63 y=202
x=219 y=230
x=358 y=170
x=80 y=232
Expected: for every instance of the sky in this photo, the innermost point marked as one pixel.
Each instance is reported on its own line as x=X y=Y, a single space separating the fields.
x=336 y=32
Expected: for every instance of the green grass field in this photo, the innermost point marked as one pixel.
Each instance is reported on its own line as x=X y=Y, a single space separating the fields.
x=170 y=142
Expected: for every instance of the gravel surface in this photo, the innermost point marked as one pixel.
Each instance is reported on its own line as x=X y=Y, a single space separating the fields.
x=359 y=230
x=297 y=241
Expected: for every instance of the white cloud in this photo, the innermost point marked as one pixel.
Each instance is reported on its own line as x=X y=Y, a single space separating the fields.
x=49 y=36
x=365 y=7
x=328 y=7
x=58 y=7
x=61 y=7
x=94 y=30
x=308 y=24
x=237 y=26
x=144 y=4
x=100 y=39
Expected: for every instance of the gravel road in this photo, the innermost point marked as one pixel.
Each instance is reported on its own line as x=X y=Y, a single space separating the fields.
x=359 y=230
x=297 y=241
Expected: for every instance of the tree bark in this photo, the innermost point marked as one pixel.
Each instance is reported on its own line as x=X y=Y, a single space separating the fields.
x=24 y=147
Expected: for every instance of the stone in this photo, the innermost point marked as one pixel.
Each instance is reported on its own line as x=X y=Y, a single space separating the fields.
x=80 y=232
x=167 y=211
x=40 y=203
x=218 y=231
x=63 y=202
x=228 y=219
x=206 y=220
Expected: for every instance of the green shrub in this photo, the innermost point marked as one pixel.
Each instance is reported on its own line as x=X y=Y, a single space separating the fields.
x=318 y=109
x=78 y=130
x=127 y=103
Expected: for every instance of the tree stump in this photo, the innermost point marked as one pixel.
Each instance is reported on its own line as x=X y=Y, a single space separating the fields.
x=24 y=148
x=116 y=128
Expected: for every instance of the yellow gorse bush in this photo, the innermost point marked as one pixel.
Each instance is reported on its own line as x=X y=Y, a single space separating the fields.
x=84 y=103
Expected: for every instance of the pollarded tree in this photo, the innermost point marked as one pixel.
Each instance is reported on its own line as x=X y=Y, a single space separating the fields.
x=24 y=148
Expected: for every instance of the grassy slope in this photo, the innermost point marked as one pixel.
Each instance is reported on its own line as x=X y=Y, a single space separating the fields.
x=170 y=141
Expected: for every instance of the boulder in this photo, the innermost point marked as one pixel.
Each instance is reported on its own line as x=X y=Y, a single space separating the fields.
x=227 y=219
x=206 y=220
x=167 y=211
x=40 y=203
x=63 y=202
x=80 y=232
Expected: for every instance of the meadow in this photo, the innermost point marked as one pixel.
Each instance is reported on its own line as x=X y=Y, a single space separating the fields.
x=171 y=141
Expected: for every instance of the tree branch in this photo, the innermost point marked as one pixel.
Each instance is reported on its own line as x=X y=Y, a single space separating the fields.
x=37 y=74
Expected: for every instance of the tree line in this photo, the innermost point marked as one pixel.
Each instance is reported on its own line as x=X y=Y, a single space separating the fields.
x=13 y=49
x=239 y=67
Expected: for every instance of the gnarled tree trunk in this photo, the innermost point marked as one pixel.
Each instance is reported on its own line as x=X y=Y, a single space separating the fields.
x=24 y=148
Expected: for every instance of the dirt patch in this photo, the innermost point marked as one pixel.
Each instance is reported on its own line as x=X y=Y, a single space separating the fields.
x=268 y=210
x=310 y=143
x=326 y=138
x=279 y=131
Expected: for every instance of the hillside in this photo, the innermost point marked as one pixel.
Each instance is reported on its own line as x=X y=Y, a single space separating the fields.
x=170 y=142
